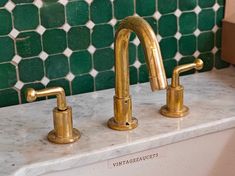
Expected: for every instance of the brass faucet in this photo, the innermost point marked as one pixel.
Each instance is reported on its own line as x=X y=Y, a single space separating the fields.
x=63 y=132
x=123 y=119
x=175 y=107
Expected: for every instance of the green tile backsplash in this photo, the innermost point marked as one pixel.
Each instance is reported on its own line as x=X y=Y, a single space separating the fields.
x=69 y=43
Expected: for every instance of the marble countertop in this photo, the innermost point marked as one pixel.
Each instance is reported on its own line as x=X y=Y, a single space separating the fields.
x=25 y=151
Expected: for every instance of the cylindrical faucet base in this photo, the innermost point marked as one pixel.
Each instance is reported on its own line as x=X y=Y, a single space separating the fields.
x=63 y=132
x=122 y=119
x=175 y=107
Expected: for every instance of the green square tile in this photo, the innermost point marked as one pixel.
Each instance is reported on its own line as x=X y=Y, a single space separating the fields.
x=185 y=5
x=26 y=17
x=56 y=66
x=80 y=62
x=132 y=53
x=7 y=75
x=132 y=37
x=167 y=25
x=28 y=44
x=219 y=63
x=79 y=38
x=206 y=3
x=220 y=2
x=52 y=15
x=31 y=70
x=133 y=75
x=8 y=97
x=21 y=1
x=36 y=86
x=102 y=35
x=145 y=8
x=52 y=1
x=6 y=24
x=123 y=8
x=219 y=16
x=7 y=49
x=208 y=60
x=187 y=45
x=167 y=6
x=218 y=38
x=206 y=41
x=152 y=22
x=169 y=66
x=140 y=53
x=187 y=60
x=168 y=47
x=101 y=11
x=77 y=13
x=143 y=74
x=54 y=41
x=103 y=59
x=3 y=2
x=187 y=23
x=104 y=80
x=83 y=84
x=206 y=19
x=60 y=83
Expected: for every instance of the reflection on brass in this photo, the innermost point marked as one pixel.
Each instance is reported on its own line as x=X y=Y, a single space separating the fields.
x=175 y=107
x=63 y=132
x=123 y=119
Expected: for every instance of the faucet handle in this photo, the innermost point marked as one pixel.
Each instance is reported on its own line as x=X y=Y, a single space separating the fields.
x=197 y=64
x=175 y=107
x=63 y=132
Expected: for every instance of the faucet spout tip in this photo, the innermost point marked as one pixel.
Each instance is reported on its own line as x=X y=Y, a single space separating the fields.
x=156 y=84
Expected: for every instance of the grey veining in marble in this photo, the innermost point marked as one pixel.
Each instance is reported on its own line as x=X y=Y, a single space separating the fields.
x=25 y=151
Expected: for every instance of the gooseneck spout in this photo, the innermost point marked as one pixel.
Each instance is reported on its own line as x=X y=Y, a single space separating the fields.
x=123 y=119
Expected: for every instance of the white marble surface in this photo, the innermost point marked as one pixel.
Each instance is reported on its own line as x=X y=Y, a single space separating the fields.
x=24 y=150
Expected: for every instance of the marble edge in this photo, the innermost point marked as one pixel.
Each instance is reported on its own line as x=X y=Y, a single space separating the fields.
x=70 y=162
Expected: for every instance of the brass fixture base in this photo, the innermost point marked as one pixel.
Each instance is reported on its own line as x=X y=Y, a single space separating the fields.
x=63 y=132
x=58 y=140
x=174 y=114
x=122 y=127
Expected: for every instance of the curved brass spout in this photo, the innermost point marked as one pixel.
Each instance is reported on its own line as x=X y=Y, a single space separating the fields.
x=123 y=119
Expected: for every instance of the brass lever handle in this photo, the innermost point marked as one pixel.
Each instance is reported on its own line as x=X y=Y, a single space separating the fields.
x=63 y=132
x=32 y=95
x=197 y=64
x=175 y=92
